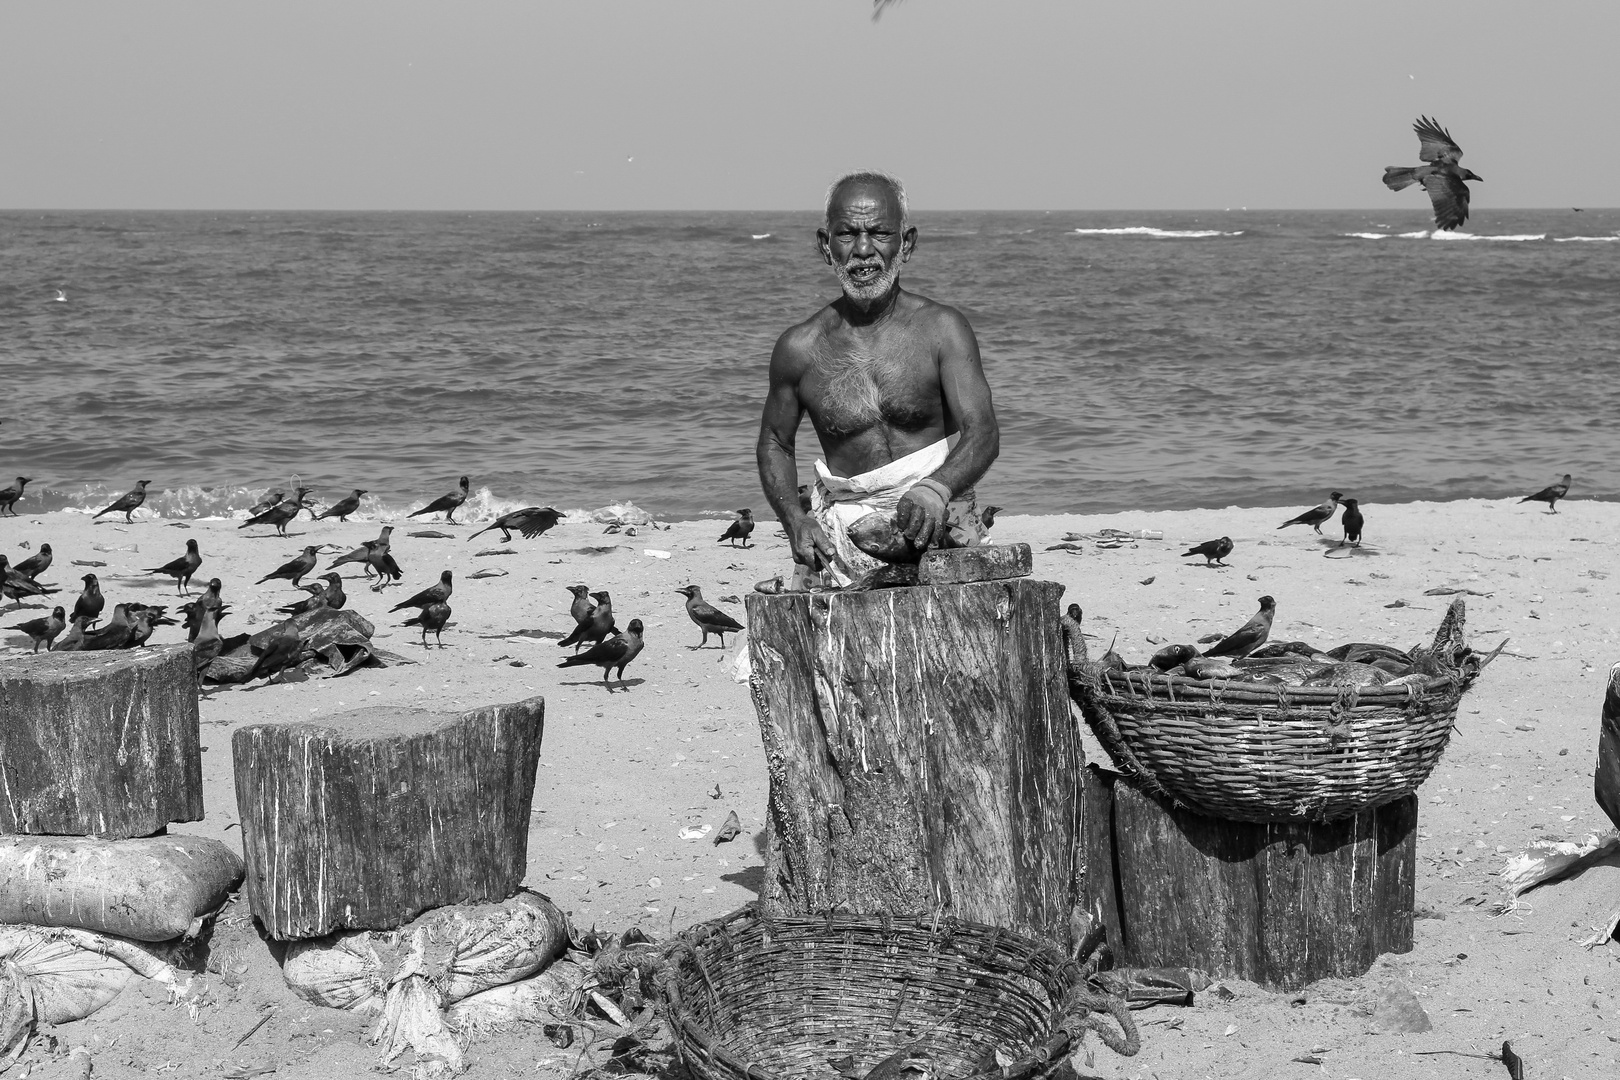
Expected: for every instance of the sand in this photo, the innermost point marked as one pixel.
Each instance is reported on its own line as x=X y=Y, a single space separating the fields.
x=624 y=772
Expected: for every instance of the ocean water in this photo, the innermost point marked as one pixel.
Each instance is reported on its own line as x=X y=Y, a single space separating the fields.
x=1138 y=360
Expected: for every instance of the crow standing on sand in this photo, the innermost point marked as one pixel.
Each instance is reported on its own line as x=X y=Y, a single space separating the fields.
x=1316 y=514
x=127 y=503
x=1213 y=551
x=269 y=499
x=582 y=606
x=615 y=652
x=294 y=569
x=16 y=586
x=1442 y=178
x=739 y=529
x=433 y=594
x=432 y=617
x=281 y=513
x=90 y=602
x=448 y=503
x=709 y=619
x=10 y=494
x=331 y=595
x=44 y=631
x=367 y=551
x=182 y=568
x=343 y=507
x=1250 y=636
x=35 y=565
x=1550 y=495
x=531 y=521
x=597 y=626
x=1352 y=521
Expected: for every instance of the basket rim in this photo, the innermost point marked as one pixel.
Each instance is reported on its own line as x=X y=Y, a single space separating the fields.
x=688 y=945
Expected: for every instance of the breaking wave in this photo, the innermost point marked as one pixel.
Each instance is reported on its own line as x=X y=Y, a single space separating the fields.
x=1162 y=234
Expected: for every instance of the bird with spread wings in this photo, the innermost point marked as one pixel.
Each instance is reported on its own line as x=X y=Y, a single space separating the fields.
x=1442 y=177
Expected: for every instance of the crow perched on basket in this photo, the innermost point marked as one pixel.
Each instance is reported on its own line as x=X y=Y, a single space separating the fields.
x=1442 y=178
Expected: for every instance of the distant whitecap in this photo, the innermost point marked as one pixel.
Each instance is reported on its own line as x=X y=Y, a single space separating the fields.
x=60 y=297
x=1518 y=237
x=1163 y=234
x=1368 y=235
x=761 y=235
x=1585 y=239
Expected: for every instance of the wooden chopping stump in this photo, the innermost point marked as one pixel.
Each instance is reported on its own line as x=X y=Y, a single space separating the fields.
x=922 y=754
x=99 y=743
x=1278 y=904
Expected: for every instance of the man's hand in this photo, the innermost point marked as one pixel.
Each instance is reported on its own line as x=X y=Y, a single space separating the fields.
x=921 y=514
x=810 y=544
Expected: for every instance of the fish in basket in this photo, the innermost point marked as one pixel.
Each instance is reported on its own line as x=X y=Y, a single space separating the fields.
x=1290 y=736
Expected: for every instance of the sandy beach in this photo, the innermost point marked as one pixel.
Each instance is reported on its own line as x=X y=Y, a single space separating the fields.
x=624 y=772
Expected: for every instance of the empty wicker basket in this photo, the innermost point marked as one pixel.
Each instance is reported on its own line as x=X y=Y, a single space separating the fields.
x=756 y=998
x=1246 y=751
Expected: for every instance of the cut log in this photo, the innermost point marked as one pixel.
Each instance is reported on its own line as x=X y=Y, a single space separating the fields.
x=99 y=743
x=921 y=752
x=371 y=819
x=984 y=562
x=1277 y=904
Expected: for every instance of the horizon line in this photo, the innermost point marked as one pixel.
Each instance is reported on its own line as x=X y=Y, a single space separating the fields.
x=803 y=210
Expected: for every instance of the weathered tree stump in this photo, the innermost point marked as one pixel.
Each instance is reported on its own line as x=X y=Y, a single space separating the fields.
x=99 y=743
x=921 y=752
x=1279 y=904
x=369 y=820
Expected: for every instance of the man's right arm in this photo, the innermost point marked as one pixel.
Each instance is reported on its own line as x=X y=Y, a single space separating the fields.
x=778 y=464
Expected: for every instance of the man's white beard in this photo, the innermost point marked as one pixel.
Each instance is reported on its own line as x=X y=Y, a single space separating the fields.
x=875 y=290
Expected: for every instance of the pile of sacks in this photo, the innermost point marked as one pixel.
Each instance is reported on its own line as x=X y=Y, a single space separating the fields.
x=82 y=918
x=445 y=975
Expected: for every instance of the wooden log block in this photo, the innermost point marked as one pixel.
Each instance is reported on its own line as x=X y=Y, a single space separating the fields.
x=1278 y=904
x=921 y=753
x=368 y=820
x=986 y=562
x=99 y=743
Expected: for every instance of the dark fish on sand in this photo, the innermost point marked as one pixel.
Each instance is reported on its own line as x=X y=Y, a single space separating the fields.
x=1171 y=656
x=432 y=617
x=1550 y=494
x=1250 y=636
x=739 y=529
x=1352 y=521
x=1213 y=551
x=126 y=503
x=531 y=521
x=182 y=568
x=1316 y=515
x=343 y=507
x=615 y=652
x=44 y=631
x=1442 y=177
x=709 y=619
x=294 y=569
x=11 y=493
x=447 y=504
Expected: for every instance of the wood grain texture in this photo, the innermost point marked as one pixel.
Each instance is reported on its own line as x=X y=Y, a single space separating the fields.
x=921 y=752
x=1278 y=904
x=984 y=562
x=99 y=743
x=366 y=821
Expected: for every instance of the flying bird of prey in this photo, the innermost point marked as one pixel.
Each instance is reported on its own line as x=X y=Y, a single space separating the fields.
x=448 y=503
x=531 y=521
x=1550 y=494
x=127 y=503
x=1442 y=177
x=1213 y=551
x=1250 y=636
x=1316 y=514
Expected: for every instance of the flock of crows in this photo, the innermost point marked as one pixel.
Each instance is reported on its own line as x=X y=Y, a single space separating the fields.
x=131 y=624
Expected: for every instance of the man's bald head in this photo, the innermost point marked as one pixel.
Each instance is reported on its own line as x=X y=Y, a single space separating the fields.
x=863 y=178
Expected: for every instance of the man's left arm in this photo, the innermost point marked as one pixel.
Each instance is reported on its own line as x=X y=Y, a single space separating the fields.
x=966 y=396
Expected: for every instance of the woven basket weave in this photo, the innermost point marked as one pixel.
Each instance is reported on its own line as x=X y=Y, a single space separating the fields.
x=755 y=998
x=1244 y=751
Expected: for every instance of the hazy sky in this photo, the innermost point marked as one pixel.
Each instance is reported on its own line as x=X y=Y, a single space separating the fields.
x=750 y=104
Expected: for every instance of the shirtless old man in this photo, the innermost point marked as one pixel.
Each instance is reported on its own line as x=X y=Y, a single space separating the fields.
x=894 y=388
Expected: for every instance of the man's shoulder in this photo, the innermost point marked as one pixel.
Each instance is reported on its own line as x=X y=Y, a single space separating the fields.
x=803 y=336
x=928 y=311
